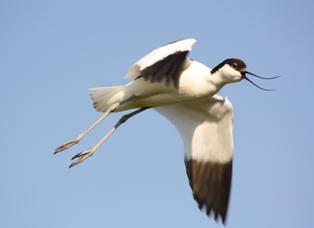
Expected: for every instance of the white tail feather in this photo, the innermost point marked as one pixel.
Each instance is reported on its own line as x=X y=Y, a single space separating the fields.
x=103 y=97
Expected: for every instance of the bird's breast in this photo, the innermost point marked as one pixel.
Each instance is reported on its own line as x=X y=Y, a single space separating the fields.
x=195 y=81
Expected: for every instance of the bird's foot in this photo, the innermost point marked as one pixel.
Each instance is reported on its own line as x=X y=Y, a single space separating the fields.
x=67 y=145
x=80 y=157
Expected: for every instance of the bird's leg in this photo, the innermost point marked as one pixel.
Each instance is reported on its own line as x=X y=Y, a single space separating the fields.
x=79 y=137
x=83 y=155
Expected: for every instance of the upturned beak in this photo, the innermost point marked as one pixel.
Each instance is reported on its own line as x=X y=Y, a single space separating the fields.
x=244 y=73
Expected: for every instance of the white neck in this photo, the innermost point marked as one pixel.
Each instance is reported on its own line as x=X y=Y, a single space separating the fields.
x=217 y=80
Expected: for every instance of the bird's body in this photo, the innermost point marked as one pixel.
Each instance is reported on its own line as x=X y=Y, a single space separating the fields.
x=147 y=94
x=185 y=92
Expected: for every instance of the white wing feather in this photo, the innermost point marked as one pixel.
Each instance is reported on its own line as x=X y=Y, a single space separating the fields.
x=206 y=130
x=205 y=127
x=159 y=54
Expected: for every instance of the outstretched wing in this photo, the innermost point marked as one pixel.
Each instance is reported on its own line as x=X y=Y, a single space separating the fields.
x=163 y=64
x=206 y=129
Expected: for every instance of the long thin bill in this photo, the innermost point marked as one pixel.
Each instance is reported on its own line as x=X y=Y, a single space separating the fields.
x=253 y=83
x=260 y=77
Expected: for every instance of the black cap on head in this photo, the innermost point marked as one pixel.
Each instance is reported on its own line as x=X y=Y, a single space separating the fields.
x=237 y=64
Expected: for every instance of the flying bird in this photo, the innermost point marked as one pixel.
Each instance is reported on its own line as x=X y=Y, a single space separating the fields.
x=185 y=92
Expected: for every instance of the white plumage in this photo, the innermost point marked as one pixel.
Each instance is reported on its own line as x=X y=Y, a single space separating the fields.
x=205 y=127
x=184 y=91
x=159 y=54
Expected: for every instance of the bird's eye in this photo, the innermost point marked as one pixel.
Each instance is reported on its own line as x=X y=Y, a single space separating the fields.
x=234 y=65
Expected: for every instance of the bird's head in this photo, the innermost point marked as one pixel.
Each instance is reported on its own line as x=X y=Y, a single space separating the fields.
x=234 y=70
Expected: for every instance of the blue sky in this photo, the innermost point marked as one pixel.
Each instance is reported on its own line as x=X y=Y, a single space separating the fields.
x=51 y=52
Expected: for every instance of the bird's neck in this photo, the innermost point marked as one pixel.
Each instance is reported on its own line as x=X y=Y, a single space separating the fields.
x=217 y=81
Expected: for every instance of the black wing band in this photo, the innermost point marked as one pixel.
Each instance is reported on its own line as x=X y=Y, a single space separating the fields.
x=168 y=69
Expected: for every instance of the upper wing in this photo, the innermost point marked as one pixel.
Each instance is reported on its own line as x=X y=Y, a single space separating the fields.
x=164 y=63
x=206 y=129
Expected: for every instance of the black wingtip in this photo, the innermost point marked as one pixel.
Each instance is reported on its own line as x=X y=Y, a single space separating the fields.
x=211 y=184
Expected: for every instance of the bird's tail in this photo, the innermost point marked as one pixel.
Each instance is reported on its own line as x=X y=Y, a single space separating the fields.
x=103 y=97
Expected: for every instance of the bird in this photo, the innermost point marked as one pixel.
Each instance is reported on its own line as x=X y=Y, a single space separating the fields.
x=185 y=92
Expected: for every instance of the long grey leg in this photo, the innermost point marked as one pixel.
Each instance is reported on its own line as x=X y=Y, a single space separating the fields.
x=85 y=154
x=79 y=137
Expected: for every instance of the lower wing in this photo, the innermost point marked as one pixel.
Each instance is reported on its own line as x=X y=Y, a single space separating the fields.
x=206 y=129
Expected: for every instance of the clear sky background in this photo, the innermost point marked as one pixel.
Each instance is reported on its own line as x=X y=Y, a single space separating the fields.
x=51 y=52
